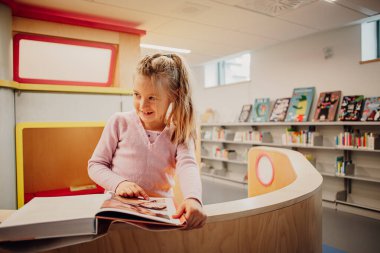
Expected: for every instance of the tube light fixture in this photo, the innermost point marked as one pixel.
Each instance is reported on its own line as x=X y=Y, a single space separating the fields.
x=170 y=49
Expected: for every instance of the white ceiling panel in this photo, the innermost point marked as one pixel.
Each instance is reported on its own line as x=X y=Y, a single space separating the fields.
x=207 y=33
x=231 y=18
x=213 y=49
x=323 y=15
x=369 y=7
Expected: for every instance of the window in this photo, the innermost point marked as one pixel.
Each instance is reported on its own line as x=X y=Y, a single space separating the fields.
x=371 y=40
x=228 y=70
x=42 y=59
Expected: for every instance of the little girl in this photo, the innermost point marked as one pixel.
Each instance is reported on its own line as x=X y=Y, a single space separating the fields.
x=140 y=151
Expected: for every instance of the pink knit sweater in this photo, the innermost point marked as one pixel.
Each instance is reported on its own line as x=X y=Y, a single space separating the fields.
x=124 y=152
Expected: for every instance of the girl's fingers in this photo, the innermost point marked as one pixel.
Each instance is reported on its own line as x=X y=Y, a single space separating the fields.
x=129 y=193
x=179 y=212
x=139 y=192
x=131 y=190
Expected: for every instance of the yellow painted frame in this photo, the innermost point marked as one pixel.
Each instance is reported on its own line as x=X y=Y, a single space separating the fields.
x=19 y=148
x=64 y=88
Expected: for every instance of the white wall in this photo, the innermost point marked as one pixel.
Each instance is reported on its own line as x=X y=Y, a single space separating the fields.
x=7 y=118
x=298 y=63
x=50 y=106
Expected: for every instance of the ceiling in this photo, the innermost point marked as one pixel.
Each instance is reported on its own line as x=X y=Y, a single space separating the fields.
x=215 y=28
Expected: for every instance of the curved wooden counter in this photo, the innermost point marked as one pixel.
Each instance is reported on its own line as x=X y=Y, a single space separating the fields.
x=284 y=220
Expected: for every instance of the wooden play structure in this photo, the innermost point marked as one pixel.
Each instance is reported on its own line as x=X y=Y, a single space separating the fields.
x=282 y=212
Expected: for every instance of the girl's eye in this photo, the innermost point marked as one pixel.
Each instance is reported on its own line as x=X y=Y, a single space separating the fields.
x=152 y=98
x=136 y=95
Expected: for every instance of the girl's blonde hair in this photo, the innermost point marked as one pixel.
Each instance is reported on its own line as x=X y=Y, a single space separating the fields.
x=170 y=70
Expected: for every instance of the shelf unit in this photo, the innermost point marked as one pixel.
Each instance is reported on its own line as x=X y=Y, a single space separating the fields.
x=290 y=145
x=339 y=191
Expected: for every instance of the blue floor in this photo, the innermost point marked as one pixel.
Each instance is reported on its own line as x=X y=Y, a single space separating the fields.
x=329 y=249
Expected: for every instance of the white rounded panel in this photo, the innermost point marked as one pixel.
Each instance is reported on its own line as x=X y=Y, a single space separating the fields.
x=264 y=170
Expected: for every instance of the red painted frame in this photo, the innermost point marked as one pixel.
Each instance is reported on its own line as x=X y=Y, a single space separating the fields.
x=257 y=171
x=16 y=59
x=71 y=18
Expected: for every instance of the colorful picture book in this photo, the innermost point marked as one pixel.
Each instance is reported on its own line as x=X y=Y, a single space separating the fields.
x=327 y=106
x=351 y=108
x=371 y=109
x=300 y=104
x=260 y=111
x=245 y=112
x=61 y=217
x=279 y=110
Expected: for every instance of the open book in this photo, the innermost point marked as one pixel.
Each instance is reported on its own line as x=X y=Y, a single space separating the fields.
x=53 y=217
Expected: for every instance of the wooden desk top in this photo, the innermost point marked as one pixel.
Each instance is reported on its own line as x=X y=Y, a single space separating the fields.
x=5 y=214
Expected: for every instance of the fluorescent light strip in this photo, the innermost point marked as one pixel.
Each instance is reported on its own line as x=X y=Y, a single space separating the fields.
x=169 y=49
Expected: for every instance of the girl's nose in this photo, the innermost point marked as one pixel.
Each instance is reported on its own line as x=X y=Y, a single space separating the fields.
x=143 y=103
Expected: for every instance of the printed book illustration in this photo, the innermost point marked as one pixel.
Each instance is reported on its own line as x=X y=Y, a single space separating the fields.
x=300 y=104
x=327 y=106
x=279 y=110
x=351 y=108
x=245 y=112
x=53 y=217
x=260 y=110
x=371 y=111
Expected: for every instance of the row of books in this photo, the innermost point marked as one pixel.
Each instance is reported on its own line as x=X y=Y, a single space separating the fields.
x=229 y=154
x=344 y=167
x=297 y=108
x=366 y=140
x=224 y=153
x=221 y=134
x=308 y=138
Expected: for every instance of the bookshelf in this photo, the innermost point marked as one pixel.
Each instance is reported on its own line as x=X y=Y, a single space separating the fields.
x=357 y=192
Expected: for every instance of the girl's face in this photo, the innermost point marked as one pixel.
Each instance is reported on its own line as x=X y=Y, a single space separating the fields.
x=150 y=104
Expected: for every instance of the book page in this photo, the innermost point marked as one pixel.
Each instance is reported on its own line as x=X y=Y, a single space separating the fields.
x=53 y=209
x=155 y=209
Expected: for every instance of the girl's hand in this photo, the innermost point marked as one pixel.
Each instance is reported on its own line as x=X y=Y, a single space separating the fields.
x=194 y=215
x=131 y=190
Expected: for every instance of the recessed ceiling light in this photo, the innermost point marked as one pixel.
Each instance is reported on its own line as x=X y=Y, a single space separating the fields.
x=163 y=48
x=330 y=1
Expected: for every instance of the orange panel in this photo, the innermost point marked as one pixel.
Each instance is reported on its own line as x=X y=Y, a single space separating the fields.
x=56 y=158
x=283 y=173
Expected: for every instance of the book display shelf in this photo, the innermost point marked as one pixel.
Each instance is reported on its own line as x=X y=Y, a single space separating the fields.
x=347 y=154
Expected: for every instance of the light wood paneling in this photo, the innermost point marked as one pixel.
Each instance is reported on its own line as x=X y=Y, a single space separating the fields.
x=128 y=56
x=296 y=228
x=56 y=158
x=62 y=30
